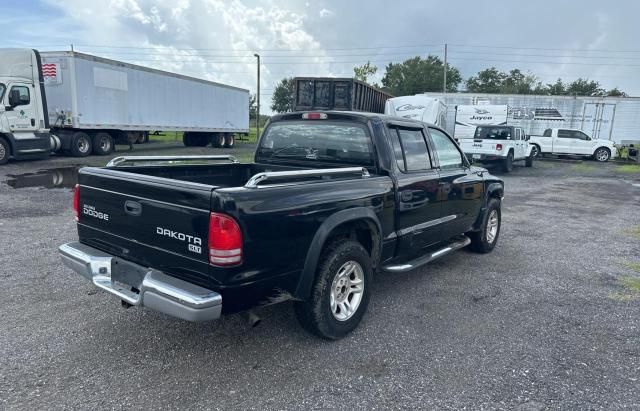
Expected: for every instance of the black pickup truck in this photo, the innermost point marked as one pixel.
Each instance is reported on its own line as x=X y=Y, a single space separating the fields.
x=332 y=198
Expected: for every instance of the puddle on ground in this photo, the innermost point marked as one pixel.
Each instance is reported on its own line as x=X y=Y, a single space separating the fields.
x=62 y=177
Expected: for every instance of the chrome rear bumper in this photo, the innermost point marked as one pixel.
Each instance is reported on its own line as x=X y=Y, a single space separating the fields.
x=155 y=289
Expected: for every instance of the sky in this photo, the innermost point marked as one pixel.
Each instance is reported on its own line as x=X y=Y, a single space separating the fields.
x=216 y=40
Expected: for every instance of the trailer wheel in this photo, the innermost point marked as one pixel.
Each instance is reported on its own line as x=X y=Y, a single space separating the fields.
x=200 y=140
x=5 y=151
x=229 y=140
x=217 y=140
x=80 y=144
x=102 y=144
x=187 y=140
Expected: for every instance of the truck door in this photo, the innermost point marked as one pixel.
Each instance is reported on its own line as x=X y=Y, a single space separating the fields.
x=22 y=117
x=582 y=143
x=460 y=191
x=418 y=206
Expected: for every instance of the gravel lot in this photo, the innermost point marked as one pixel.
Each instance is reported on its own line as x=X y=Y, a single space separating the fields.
x=545 y=321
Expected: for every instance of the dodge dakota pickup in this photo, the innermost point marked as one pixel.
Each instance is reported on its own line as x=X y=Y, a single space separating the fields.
x=332 y=198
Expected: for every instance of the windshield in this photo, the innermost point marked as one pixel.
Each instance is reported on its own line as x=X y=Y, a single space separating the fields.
x=321 y=141
x=2 y=89
x=496 y=133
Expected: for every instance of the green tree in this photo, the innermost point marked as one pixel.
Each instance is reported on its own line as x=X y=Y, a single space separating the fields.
x=556 y=89
x=418 y=75
x=585 y=87
x=615 y=92
x=487 y=81
x=283 y=99
x=363 y=72
x=492 y=80
x=253 y=107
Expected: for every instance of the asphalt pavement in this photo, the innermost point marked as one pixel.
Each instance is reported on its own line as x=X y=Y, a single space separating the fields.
x=549 y=320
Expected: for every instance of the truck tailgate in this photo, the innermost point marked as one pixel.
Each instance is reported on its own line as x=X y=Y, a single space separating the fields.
x=157 y=222
x=478 y=146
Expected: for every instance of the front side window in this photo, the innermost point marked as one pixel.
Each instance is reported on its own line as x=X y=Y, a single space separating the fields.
x=23 y=95
x=415 y=149
x=325 y=141
x=2 y=89
x=547 y=133
x=580 y=135
x=447 y=151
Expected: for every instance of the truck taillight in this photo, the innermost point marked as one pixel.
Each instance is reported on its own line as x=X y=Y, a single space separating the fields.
x=225 y=240
x=76 y=202
x=498 y=147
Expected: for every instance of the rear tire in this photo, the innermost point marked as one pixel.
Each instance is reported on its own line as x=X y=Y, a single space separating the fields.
x=340 y=292
x=528 y=162
x=229 y=140
x=5 y=151
x=80 y=144
x=507 y=163
x=484 y=241
x=102 y=144
x=188 y=140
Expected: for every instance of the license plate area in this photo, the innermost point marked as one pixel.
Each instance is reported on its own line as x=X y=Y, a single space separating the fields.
x=476 y=156
x=127 y=273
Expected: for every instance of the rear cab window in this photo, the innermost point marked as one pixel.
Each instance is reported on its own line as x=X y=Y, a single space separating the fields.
x=494 y=133
x=340 y=142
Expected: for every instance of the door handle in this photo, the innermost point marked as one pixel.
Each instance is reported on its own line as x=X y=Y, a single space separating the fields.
x=33 y=122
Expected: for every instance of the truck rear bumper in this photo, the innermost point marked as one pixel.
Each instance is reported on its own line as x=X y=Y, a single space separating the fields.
x=145 y=286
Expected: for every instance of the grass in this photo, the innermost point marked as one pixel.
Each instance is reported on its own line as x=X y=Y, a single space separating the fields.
x=631 y=285
x=634 y=232
x=629 y=169
x=582 y=167
x=632 y=266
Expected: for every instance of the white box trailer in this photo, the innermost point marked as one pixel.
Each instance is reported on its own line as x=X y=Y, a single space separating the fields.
x=85 y=103
x=469 y=117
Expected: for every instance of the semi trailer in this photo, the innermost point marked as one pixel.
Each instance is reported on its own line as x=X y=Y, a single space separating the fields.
x=79 y=104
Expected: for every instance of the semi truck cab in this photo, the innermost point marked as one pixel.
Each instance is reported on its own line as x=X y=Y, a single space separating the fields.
x=24 y=124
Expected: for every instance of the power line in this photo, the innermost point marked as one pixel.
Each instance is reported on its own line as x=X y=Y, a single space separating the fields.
x=543 y=48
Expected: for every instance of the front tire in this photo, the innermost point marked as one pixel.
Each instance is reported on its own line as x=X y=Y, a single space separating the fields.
x=602 y=155
x=81 y=144
x=507 y=163
x=485 y=240
x=5 y=151
x=340 y=293
x=535 y=151
x=217 y=140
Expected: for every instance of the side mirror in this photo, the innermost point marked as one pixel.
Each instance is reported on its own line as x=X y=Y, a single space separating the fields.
x=14 y=98
x=588 y=138
x=527 y=138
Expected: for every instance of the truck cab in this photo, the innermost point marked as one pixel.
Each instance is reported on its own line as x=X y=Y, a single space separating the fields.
x=24 y=125
x=498 y=144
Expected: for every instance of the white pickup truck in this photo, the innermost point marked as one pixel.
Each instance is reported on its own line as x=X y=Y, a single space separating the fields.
x=498 y=144
x=573 y=142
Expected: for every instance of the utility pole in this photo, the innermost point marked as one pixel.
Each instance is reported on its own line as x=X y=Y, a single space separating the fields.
x=444 y=83
x=71 y=46
x=256 y=55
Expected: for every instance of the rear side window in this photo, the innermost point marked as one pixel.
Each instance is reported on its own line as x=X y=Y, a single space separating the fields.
x=448 y=153
x=547 y=133
x=414 y=147
x=565 y=134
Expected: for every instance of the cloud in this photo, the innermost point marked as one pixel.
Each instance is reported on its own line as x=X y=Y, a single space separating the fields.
x=326 y=13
